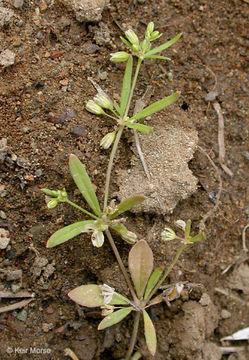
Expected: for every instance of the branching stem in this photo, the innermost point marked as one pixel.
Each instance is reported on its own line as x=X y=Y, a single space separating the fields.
x=133 y=336
x=81 y=209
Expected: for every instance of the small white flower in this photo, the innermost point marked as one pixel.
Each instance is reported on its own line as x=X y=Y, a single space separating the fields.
x=107 y=310
x=181 y=224
x=132 y=37
x=97 y=238
x=94 y=108
x=168 y=234
x=107 y=292
x=129 y=237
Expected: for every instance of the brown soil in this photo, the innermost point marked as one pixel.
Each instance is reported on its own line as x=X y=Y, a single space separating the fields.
x=43 y=119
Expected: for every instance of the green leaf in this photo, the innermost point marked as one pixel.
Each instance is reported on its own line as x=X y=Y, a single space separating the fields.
x=157 y=57
x=157 y=106
x=150 y=333
x=136 y=356
x=68 y=232
x=114 y=318
x=127 y=204
x=187 y=229
x=140 y=127
x=119 y=299
x=164 y=46
x=154 y=277
x=116 y=107
x=87 y=295
x=126 y=42
x=120 y=228
x=83 y=183
x=125 y=92
x=197 y=237
x=140 y=263
x=52 y=193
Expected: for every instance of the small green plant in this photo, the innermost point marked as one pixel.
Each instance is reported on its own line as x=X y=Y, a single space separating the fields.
x=145 y=281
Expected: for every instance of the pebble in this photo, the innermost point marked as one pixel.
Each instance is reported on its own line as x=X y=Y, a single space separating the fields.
x=89 y=48
x=22 y=315
x=18 y=4
x=6 y=16
x=15 y=288
x=3 y=215
x=4 y=238
x=205 y=299
x=47 y=326
x=225 y=314
x=103 y=75
x=79 y=130
x=7 y=58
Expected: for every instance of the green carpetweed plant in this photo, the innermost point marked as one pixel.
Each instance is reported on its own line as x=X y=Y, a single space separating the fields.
x=143 y=282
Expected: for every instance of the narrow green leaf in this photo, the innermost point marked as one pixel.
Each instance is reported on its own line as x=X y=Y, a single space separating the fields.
x=126 y=42
x=140 y=127
x=157 y=106
x=157 y=57
x=154 y=277
x=125 y=92
x=197 y=237
x=114 y=318
x=87 y=295
x=68 y=232
x=83 y=183
x=150 y=333
x=119 y=299
x=116 y=107
x=140 y=263
x=136 y=356
x=187 y=229
x=164 y=46
x=127 y=204
x=120 y=228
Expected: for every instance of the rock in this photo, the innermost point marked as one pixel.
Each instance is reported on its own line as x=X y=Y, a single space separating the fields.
x=239 y=279
x=225 y=314
x=3 y=149
x=22 y=315
x=15 y=288
x=167 y=151
x=6 y=16
x=4 y=238
x=3 y=215
x=18 y=4
x=89 y=48
x=7 y=58
x=211 y=351
x=46 y=327
x=86 y=10
x=205 y=300
x=102 y=34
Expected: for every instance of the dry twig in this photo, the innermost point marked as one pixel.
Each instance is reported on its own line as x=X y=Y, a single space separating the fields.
x=69 y=352
x=212 y=211
x=231 y=296
x=244 y=238
x=20 y=294
x=15 y=306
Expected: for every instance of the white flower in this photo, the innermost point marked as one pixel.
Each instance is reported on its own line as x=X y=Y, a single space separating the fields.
x=94 y=108
x=181 y=224
x=168 y=234
x=107 y=310
x=129 y=237
x=97 y=238
x=107 y=292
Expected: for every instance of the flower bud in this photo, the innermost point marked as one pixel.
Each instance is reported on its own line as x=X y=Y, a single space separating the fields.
x=102 y=101
x=129 y=237
x=135 y=48
x=107 y=310
x=145 y=46
x=150 y=27
x=97 y=238
x=107 y=140
x=52 y=203
x=94 y=108
x=155 y=35
x=132 y=37
x=119 y=56
x=107 y=292
x=168 y=234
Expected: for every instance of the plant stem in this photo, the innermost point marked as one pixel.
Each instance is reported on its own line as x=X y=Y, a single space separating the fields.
x=132 y=88
x=177 y=255
x=81 y=209
x=109 y=169
x=134 y=336
x=121 y=265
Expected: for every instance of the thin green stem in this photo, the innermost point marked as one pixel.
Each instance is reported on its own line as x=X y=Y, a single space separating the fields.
x=177 y=255
x=81 y=209
x=112 y=117
x=109 y=169
x=121 y=265
x=133 y=336
x=132 y=88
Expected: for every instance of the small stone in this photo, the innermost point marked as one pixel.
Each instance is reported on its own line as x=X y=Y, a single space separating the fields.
x=87 y=11
x=38 y=172
x=17 y=42
x=205 y=300
x=225 y=314
x=56 y=54
x=211 y=96
x=22 y=315
x=4 y=238
x=14 y=275
x=47 y=326
x=103 y=75
x=6 y=16
x=18 y=4
x=89 y=48
x=7 y=58
x=3 y=215
x=79 y=130
x=64 y=82
x=3 y=149
x=15 y=288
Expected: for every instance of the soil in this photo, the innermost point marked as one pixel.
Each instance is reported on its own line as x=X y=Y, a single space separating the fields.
x=43 y=89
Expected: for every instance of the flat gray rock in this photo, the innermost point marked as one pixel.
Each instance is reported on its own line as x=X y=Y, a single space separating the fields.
x=167 y=151
x=87 y=10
